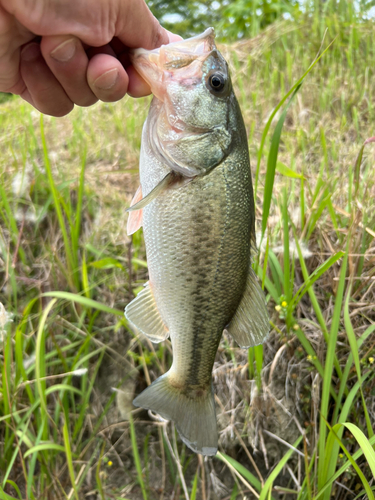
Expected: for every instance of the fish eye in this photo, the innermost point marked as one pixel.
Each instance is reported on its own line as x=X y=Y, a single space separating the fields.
x=216 y=82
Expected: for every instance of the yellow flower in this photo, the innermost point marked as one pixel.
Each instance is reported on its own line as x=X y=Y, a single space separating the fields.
x=295 y=326
x=110 y=463
x=278 y=308
x=371 y=360
x=284 y=303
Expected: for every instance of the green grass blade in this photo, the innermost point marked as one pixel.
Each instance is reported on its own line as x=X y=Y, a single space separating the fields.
x=287 y=171
x=194 y=488
x=271 y=164
x=242 y=470
x=137 y=460
x=363 y=442
x=78 y=212
x=318 y=312
x=5 y=496
x=354 y=349
x=89 y=303
x=341 y=470
x=365 y=445
x=42 y=447
x=332 y=449
x=328 y=369
x=13 y=484
x=357 y=166
x=267 y=488
x=40 y=359
x=69 y=457
x=269 y=121
x=70 y=261
x=286 y=257
x=314 y=277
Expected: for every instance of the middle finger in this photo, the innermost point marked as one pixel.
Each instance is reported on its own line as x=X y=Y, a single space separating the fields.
x=68 y=61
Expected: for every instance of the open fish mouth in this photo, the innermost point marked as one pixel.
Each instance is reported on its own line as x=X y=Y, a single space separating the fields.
x=159 y=66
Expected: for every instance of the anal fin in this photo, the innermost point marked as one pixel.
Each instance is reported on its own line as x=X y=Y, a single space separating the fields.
x=144 y=315
x=250 y=324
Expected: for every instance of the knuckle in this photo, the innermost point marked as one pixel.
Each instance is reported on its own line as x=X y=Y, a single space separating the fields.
x=35 y=13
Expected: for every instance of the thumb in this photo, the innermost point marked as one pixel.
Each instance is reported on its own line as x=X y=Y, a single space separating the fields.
x=138 y=27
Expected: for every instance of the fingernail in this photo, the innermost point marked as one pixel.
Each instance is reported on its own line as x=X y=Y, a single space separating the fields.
x=30 y=52
x=65 y=51
x=107 y=80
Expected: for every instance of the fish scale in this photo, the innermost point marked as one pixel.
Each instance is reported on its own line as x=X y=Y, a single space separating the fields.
x=198 y=229
x=192 y=292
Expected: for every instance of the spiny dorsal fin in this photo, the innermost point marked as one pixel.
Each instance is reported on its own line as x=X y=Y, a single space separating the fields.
x=144 y=315
x=135 y=219
x=250 y=324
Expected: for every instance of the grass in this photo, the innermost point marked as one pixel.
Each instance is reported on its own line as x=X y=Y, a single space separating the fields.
x=296 y=416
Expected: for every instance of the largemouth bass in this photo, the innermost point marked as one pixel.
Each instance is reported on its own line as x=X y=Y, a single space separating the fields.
x=196 y=206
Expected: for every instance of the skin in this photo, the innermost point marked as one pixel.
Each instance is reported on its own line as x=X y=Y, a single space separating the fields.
x=56 y=54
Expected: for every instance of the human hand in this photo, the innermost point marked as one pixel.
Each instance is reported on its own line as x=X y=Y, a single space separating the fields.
x=66 y=52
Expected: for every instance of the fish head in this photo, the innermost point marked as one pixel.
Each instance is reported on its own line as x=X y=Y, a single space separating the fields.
x=188 y=124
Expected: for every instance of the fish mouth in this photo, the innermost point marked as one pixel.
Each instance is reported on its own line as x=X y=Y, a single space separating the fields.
x=158 y=66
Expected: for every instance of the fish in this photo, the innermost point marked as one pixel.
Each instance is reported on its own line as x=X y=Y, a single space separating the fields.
x=196 y=205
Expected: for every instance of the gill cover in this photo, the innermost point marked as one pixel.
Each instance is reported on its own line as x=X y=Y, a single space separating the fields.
x=188 y=125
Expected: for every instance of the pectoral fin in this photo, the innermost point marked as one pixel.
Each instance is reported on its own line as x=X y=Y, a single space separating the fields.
x=250 y=324
x=135 y=219
x=144 y=315
x=159 y=188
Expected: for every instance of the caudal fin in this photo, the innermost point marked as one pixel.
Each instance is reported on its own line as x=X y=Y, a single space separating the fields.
x=195 y=418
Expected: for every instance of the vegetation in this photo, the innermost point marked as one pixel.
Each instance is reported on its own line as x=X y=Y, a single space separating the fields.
x=246 y=18
x=296 y=416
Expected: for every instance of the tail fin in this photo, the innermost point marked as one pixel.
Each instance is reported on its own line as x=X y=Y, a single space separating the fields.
x=194 y=417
